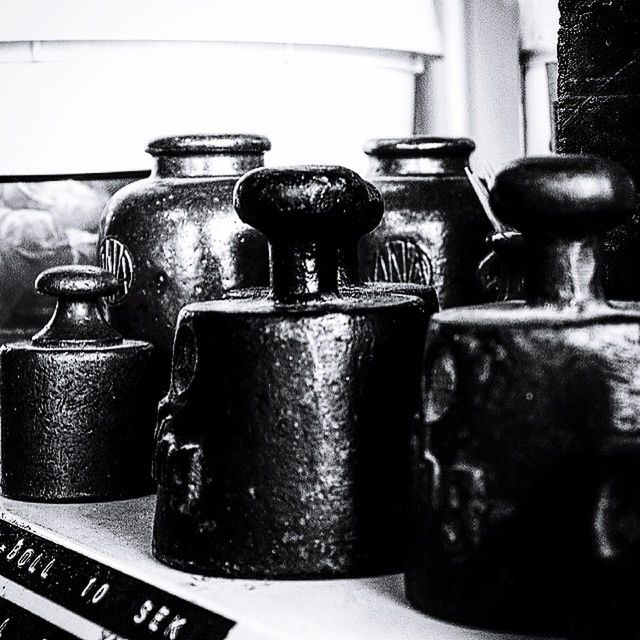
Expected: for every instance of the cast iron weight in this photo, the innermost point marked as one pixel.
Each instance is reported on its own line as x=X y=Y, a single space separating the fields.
x=174 y=237
x=517 y=511
x=282 y=445
x=434 y=226
x=77 y=405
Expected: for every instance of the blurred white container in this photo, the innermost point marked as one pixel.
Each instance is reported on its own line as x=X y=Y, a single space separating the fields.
x=86 y=85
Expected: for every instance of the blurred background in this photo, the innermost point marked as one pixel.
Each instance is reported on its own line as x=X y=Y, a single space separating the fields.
x=85 y=86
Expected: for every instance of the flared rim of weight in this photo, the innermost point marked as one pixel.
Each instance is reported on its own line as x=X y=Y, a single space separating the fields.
x=204 y=144
x=419 y=147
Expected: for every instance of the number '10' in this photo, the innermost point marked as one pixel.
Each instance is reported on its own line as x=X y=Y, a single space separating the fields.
x=98 y=593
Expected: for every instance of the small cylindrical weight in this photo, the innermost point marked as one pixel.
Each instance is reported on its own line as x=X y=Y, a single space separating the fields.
x=77 y=402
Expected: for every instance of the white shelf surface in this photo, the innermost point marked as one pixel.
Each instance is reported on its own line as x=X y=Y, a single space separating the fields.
x=118 y=534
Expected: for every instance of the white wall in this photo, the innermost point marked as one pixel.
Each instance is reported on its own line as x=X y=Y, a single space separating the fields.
x=475 y=90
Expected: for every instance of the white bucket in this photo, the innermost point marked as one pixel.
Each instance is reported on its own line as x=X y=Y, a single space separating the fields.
x=84 y=92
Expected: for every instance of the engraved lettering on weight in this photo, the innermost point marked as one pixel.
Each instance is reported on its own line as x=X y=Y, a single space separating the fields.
x=116 y=258
x=402 y=261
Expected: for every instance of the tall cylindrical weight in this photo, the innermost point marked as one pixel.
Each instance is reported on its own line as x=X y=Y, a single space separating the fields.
x=523 y=405
x=282 y=444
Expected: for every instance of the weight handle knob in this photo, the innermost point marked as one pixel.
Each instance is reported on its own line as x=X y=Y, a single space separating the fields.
x=569 y=196
x=307 y=214
x=77 y=281
x=77 y=318
x=563 y=204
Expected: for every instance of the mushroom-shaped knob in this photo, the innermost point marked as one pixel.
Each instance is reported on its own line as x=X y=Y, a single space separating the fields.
x=318 y=203
x=308 y=213
x=366 y=219
x=77 y=281
x=571 y=196
x=368 y=215
x=77 y=317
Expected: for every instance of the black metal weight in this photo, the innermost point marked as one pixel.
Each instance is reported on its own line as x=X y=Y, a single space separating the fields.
x=282 y=444
x=77 y=402
x=175 y=238
x=524 y=405
x=434 y=229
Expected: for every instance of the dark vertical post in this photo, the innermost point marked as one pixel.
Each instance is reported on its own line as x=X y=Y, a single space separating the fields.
x=599 y=109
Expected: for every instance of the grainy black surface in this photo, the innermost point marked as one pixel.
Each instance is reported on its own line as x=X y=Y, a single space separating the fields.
x=77 y=402
x=599 y=48
x=514 y=522
x=282 y=445
x=599 y=108
x=434 y=229
x=175 y=238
